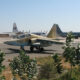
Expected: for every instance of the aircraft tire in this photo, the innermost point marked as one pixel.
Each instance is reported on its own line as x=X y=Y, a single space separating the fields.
x=41 y=49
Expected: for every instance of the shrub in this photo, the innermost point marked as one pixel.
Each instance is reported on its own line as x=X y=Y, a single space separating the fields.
x=23 y=66
x=2 y=67
x=58 y=64
x=48 y=71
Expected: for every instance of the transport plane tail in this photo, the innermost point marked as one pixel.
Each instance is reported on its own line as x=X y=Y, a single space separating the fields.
x=15 y=29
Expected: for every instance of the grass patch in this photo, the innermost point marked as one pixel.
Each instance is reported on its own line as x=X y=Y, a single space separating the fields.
x=41 y=61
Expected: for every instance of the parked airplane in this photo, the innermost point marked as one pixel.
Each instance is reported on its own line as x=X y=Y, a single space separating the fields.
x=35 y=41
x=58 y=33
x=14 y=34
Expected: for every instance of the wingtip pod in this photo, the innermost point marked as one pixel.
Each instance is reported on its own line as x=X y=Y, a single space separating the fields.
x=14 y=43
x=8 y=42
x=54 y=32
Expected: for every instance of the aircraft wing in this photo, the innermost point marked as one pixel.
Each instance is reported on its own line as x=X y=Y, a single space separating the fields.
x=35 y=41
x=47 y=42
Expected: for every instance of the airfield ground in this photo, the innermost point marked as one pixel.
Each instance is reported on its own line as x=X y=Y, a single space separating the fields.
x=12 y=51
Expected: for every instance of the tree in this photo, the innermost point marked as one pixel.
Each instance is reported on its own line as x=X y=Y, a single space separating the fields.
x=58 y=64
x=23 y=66
x=2 y=67
x=69 y=51
x=47 y=72
x=77 y=57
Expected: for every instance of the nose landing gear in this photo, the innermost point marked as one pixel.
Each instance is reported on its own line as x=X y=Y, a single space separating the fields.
x=22 y=47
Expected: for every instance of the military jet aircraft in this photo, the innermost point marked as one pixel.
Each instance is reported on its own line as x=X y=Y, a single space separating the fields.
x=35 y=41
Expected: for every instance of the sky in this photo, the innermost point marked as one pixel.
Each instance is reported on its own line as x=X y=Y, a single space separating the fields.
x=39 y=15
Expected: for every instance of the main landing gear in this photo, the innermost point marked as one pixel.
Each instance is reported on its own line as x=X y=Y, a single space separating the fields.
x=40 y=49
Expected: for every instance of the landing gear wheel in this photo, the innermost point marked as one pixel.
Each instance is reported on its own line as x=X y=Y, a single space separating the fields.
x=41 y=49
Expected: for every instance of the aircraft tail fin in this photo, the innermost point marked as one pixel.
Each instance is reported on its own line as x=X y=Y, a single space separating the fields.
x=54 y=32
x=15 y=29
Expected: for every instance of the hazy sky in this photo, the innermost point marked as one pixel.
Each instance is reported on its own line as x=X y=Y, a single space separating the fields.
x=37 y=15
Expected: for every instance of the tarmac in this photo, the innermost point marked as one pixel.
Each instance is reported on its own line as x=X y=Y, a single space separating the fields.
x=13 y=51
